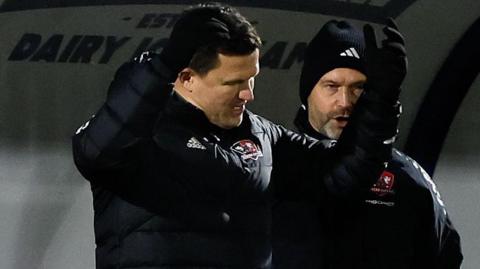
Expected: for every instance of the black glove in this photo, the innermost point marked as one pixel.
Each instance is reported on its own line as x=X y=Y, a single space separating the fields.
x=386 y=65
x=194 y=29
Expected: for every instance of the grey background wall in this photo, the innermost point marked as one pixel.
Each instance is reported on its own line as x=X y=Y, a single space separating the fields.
x=56 y=62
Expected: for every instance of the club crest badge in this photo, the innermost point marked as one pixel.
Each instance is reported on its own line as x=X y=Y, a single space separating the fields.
x=384 y=184
x=247 y=149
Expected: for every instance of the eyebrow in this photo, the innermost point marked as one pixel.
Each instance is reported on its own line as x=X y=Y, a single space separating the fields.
x=359 y=83
x=233 y=81
x=331 y=81
x=327 y=81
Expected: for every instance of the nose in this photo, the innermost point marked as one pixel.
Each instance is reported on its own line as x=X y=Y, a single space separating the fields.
x=345 y=98
x=246 y=94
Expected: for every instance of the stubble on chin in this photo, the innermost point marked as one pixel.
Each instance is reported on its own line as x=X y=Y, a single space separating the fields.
x=331 y=131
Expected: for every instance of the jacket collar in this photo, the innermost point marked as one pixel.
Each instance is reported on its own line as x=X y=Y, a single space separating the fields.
x=303 y=125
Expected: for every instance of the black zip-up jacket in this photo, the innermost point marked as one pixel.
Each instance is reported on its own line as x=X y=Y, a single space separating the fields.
x=399 y=222
x=171 y=190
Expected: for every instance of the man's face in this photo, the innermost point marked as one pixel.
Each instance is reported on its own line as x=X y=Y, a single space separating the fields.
x=332 y=99
x=223 y=92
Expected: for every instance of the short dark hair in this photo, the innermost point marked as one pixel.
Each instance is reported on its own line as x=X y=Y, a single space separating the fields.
x=242 y=39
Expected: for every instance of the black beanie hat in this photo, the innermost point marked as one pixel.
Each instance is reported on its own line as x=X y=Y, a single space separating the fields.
x=337 y=44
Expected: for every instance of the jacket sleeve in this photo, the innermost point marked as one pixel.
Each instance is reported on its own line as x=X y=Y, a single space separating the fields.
x=134 y=100
x=116 y=149
x=105 y=148
x=450 y=255
x=441 y=239
x=364 y=147
x=445 y=240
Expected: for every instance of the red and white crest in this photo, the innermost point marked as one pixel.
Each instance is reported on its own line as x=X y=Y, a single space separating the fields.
x=384 y=184
x=247 y=149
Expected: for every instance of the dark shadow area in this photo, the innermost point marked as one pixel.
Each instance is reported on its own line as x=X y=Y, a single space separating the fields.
x=443 y=99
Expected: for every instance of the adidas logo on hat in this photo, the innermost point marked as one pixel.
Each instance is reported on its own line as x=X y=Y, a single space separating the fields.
x=351 y=52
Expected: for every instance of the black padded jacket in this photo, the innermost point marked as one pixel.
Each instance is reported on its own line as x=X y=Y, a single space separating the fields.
x=172 y=190
x=400 y=222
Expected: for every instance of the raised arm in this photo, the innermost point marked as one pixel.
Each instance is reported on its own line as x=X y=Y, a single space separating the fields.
x=366 y=144
x=134 y=100
x=358 y=157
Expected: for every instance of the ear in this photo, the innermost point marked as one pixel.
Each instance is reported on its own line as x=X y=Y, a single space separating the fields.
x=186 y=78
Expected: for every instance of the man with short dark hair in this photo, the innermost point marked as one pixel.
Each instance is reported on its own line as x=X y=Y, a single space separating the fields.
x=184 y=176
x=400 y=220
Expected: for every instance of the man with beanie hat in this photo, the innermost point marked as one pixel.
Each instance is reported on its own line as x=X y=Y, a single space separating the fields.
x=400 y=220
x=183 y=176
x=337 y=44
